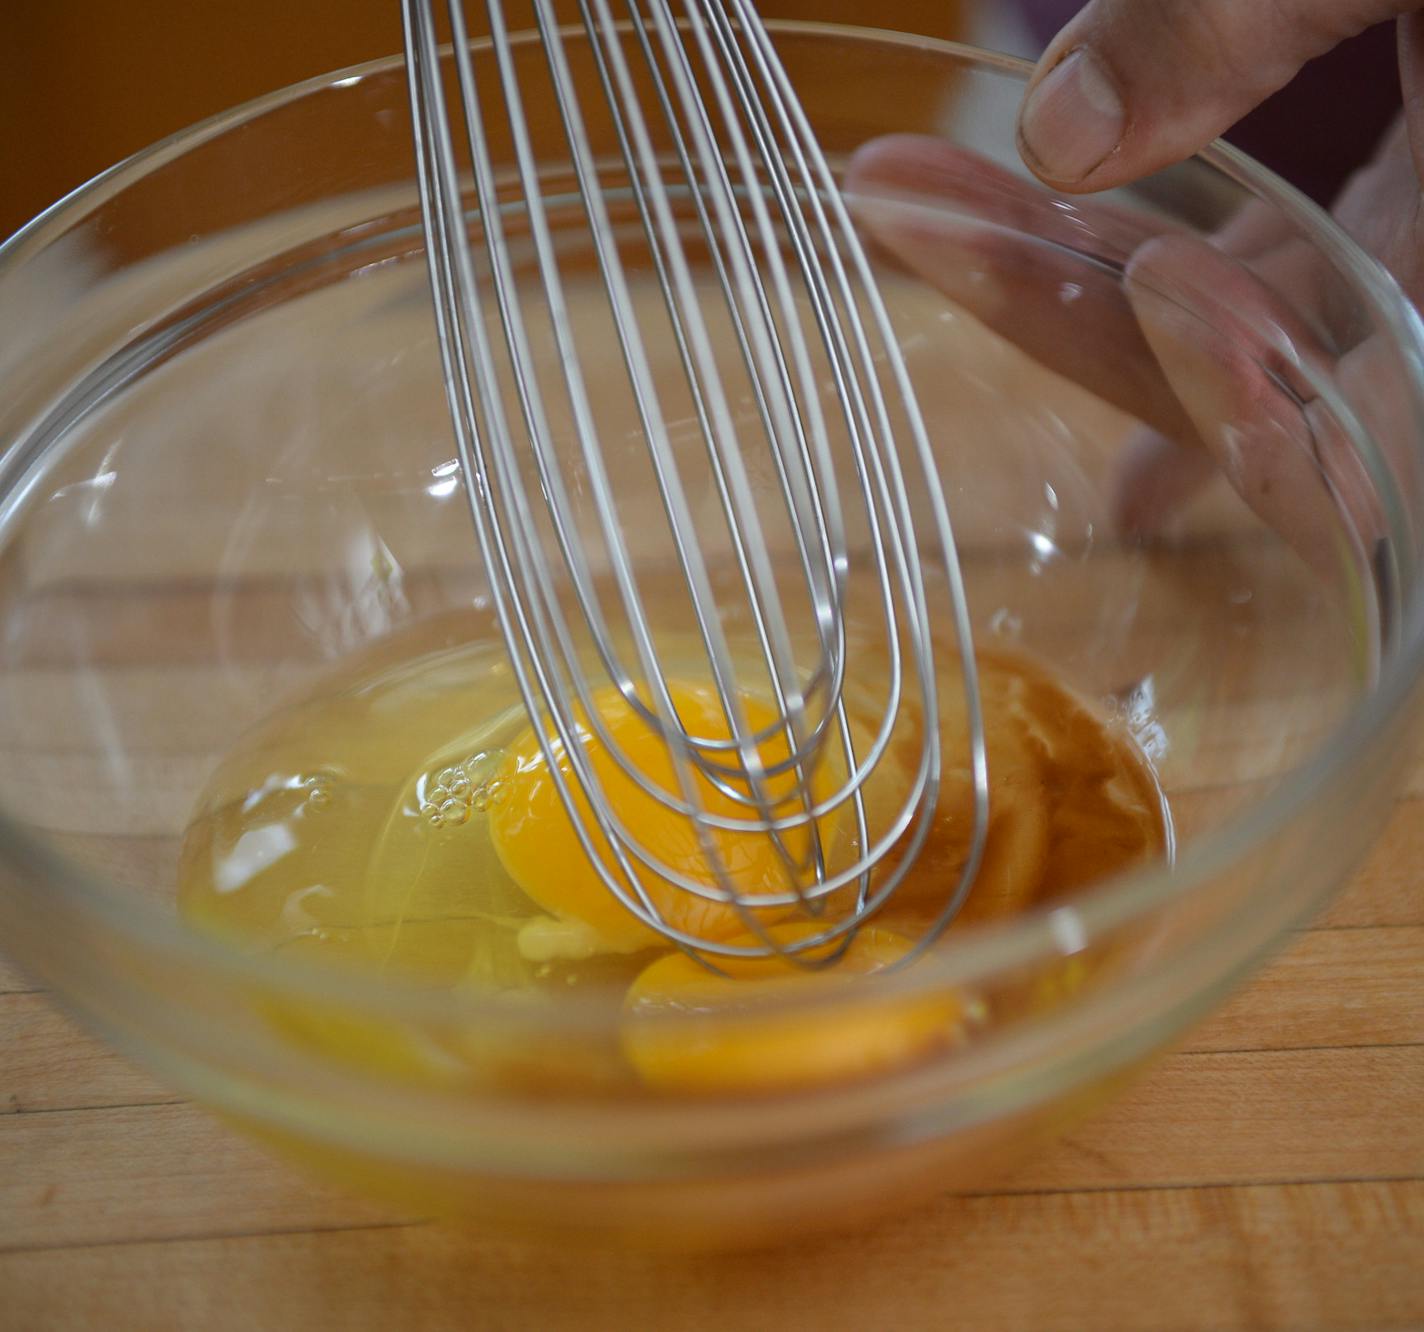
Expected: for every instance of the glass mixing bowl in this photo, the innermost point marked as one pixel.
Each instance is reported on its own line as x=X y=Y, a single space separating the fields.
x=227 y=471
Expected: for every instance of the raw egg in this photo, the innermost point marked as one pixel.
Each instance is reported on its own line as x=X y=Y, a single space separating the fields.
x=730 y=1036
x=539 y=848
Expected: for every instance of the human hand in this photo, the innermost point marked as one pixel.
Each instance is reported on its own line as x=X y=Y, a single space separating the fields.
x=1171 y=329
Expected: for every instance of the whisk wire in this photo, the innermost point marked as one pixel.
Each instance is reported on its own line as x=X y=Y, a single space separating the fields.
x=731 y=186
x=729 y=473
x=463 y=358
x=674 y=499
x=942 y=522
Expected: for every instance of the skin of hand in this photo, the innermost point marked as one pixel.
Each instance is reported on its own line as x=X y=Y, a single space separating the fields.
x=1219 y=347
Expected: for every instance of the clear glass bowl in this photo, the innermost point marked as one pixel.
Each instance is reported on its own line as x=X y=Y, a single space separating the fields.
x=227 y=470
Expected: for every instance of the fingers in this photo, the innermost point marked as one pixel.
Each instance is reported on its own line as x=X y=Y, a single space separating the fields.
x=1249 y=372
x=1380 y=208
x=1411 y=77
x=1040 y=271
x=1219 y=347
x=1130 y=86
x=1380 y=205
x=1371 y=381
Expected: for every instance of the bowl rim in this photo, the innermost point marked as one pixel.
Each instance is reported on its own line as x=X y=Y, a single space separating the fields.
x=981 y=949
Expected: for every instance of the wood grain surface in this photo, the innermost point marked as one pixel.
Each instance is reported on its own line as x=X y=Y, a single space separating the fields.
x=1270 y=1174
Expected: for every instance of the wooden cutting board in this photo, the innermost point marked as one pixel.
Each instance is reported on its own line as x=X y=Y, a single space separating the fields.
x=1268 y=1175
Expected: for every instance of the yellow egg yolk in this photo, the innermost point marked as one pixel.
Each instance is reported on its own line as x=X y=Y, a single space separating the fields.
x=687 y=1029
x=540 y=849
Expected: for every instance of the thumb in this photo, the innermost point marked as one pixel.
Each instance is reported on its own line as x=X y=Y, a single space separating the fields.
x=1130 y=86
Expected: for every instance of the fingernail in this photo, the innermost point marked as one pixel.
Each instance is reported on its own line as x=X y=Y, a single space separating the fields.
x=1073 y=120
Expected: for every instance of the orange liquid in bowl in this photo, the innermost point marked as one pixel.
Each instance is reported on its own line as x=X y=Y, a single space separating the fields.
x=402 y=823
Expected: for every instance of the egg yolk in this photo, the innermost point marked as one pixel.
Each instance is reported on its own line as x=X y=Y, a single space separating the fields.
x=539 y=848
x=687 y=1029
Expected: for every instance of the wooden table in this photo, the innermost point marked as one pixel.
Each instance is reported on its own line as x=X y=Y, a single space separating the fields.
x=1268 y=1175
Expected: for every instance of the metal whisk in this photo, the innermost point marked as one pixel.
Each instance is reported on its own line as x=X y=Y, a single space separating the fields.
x=788 y=490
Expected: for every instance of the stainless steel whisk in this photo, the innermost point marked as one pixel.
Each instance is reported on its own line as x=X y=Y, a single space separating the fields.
x=793 y=477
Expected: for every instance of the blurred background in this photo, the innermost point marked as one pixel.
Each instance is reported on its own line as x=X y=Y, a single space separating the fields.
x=88 y=82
